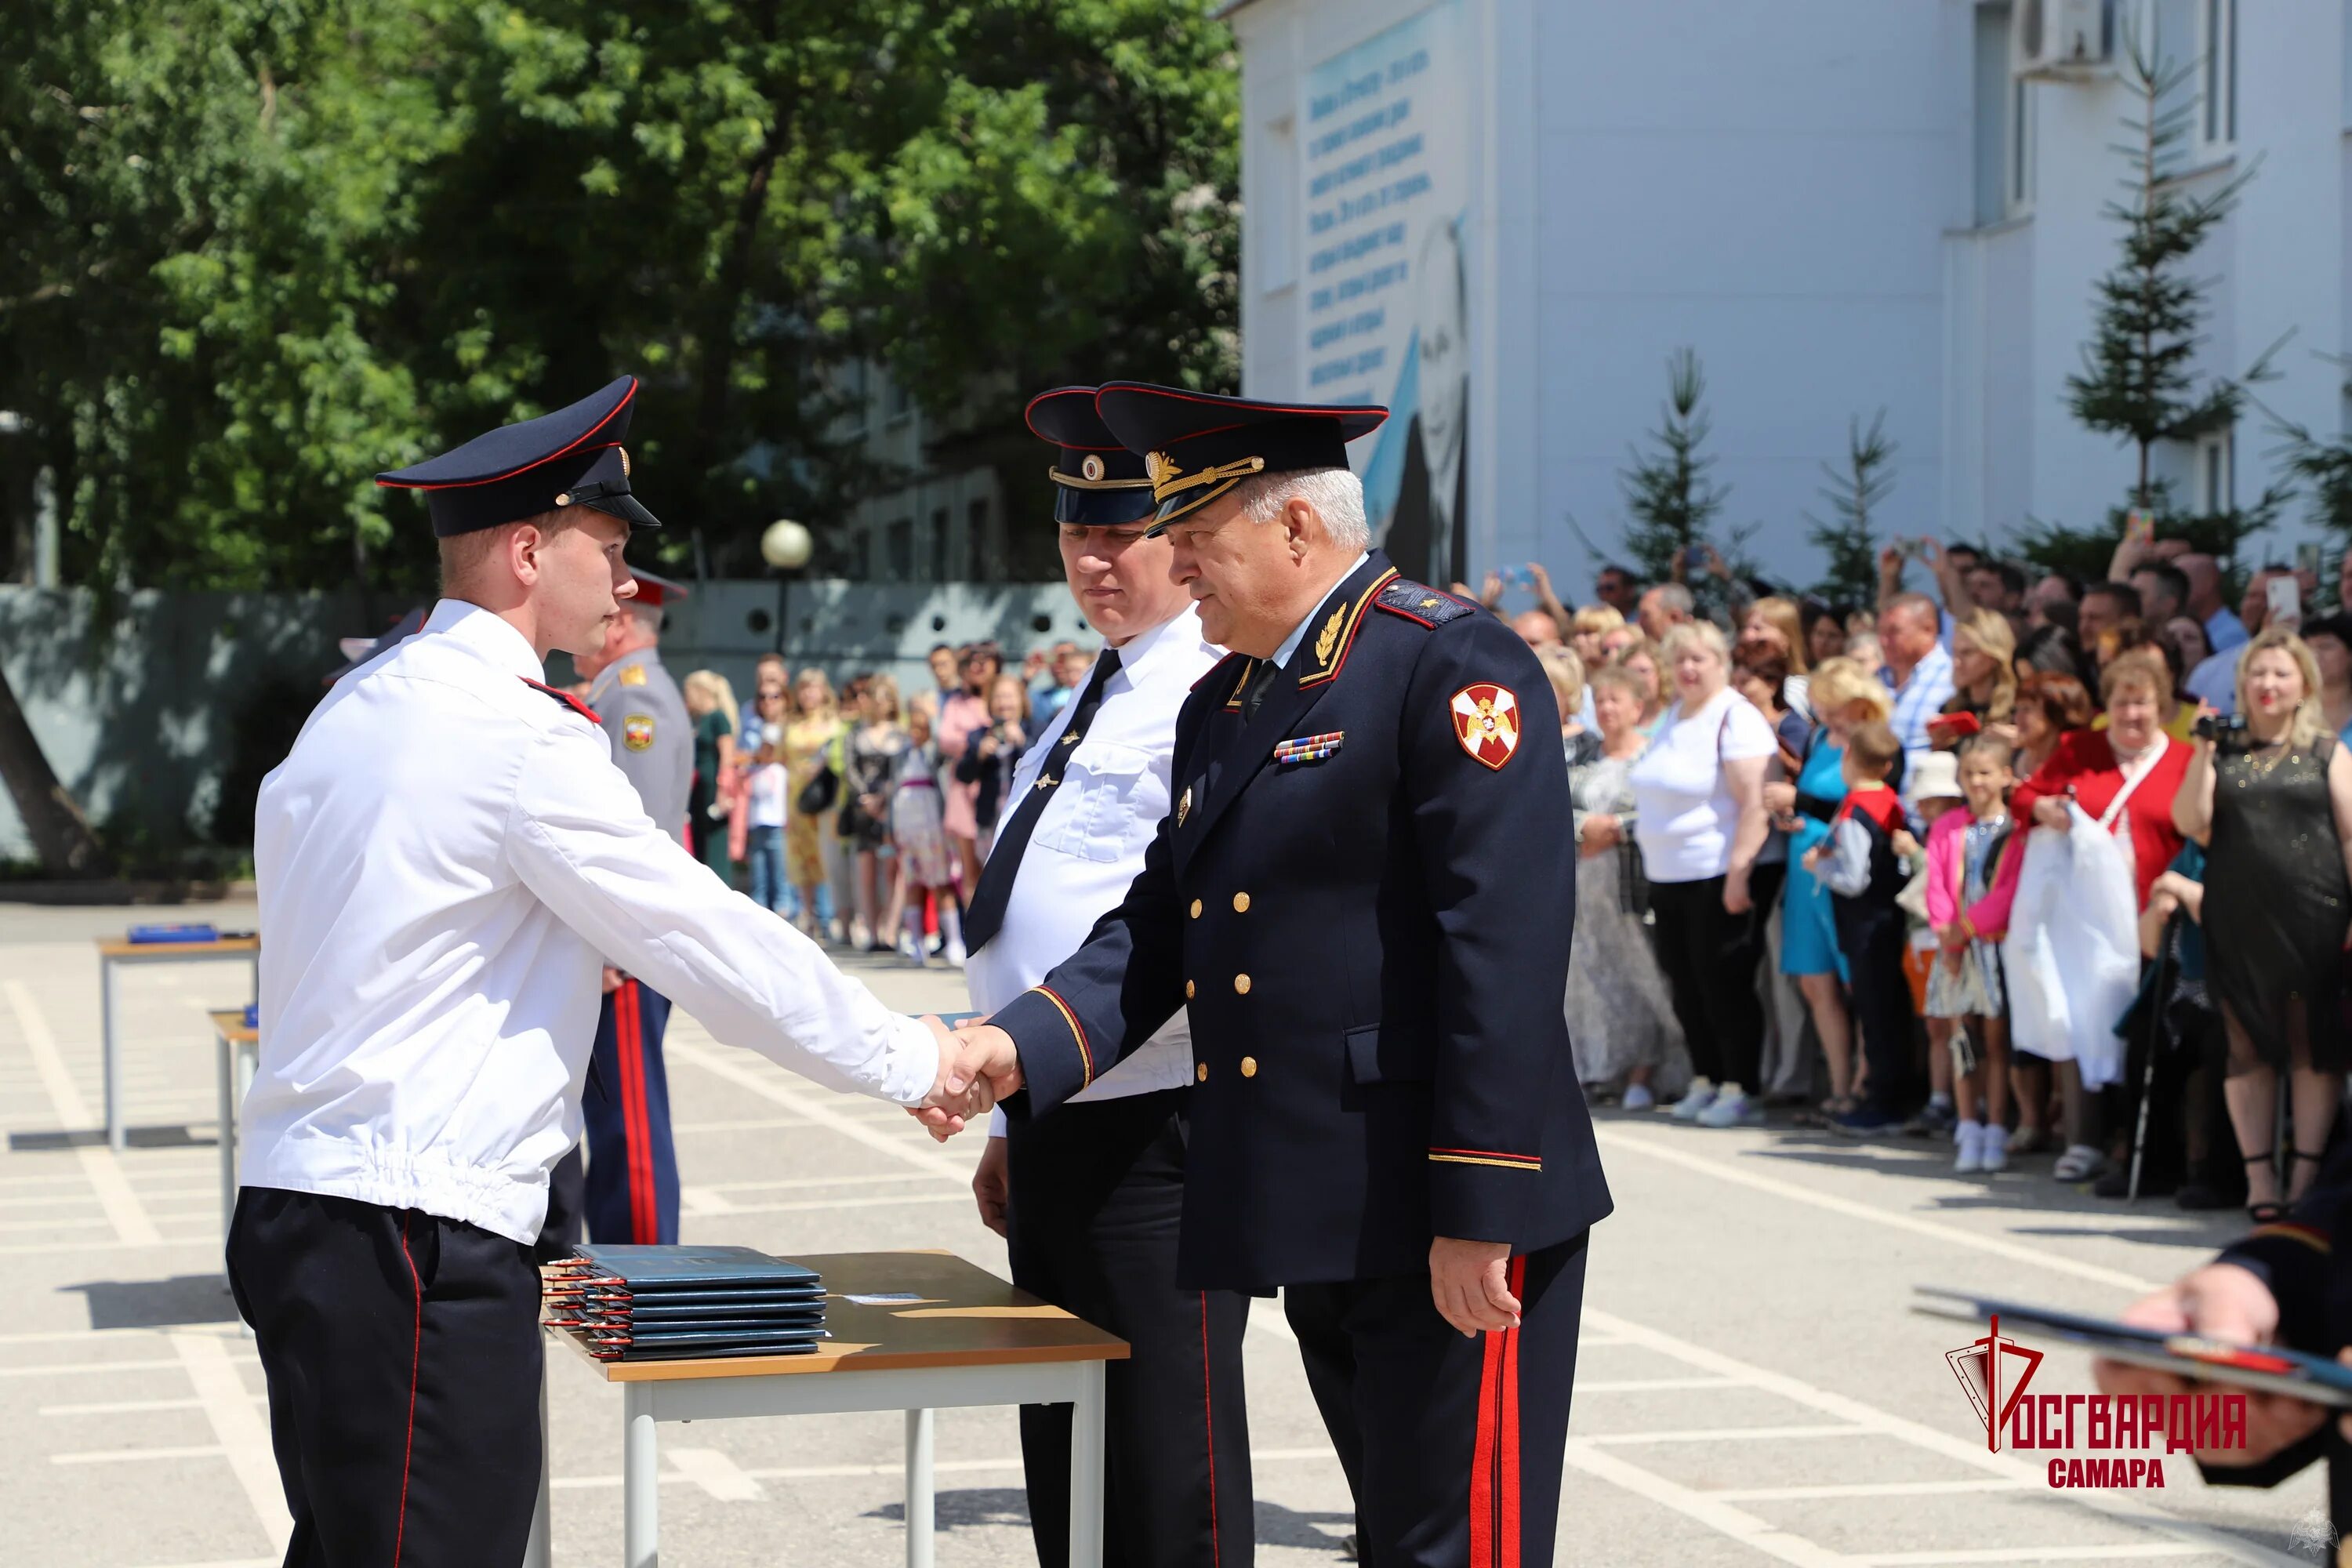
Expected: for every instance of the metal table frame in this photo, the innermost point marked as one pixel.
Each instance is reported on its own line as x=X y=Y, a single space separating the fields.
x=919 y=1392
x=236 y=1052
x=115 y=952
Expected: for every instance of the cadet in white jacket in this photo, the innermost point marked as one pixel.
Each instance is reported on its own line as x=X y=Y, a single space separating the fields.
x=445 y=860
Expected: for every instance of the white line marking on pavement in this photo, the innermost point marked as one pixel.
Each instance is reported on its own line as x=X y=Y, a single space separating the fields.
x=98 y=1162
x=802 y=1183
x=764 y=1125
x=1729 y=1435
x=226 y=1562
x=139 y=1456
x=85 y=1368
x=2131 y=1550
x=1954 y=1235
x=826 y=1206
x=242 y=1434
x=1861 y=1490
x=716 y=1474
x=51 y=1249
x=723 y=1063
x=700 y=1200
x=1740 y=1526
x=64 y=1336
x=121 y=1407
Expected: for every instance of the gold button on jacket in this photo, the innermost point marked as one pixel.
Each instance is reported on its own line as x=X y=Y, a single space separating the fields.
x=1240 y=903
x=1196 y=908
x=1241 y=985
x=1249 y=1066
x=1200 y=1072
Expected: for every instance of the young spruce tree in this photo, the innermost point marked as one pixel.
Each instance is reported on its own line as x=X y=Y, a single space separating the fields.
x=2138 y=381
x=1849 y=547
x=1669 y=500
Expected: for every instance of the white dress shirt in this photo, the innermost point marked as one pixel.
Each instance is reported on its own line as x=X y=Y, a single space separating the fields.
x=1089 y=842
x=444 y=861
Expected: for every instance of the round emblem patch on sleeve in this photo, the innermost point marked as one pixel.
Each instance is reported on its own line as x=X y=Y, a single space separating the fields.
x=1486 y=721
x=637 y=731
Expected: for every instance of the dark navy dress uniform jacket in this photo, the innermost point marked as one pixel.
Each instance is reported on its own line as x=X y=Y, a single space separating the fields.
x=1372 y=932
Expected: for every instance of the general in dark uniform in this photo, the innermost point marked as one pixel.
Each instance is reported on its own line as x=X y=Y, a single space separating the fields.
x=1363 y=895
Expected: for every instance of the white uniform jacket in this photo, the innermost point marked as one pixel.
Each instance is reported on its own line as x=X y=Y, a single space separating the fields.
x=444 y=859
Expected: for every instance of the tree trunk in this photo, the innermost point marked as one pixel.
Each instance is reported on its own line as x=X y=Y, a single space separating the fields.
x=60 y=835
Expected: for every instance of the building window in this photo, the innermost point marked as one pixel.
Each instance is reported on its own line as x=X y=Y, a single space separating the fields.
x=1990 y=99
x=865 y=553
x=975 y=541
x=2216 y=491
x=1274 y=233
x=902 y=563
x=901 y=402
x=2021 y=118
x=939 y=543
x=2216 y=68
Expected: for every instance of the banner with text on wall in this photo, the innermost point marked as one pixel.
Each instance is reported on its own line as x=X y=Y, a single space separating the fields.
x=1386 y=148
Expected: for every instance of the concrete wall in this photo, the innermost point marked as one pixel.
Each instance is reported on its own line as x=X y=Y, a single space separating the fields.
x=164 y=723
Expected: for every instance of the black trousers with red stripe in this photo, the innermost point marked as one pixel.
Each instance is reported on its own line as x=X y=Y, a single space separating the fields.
x=632 y=1191
x=1453 y=1446
x=402 y=1357
x=1097 y=1193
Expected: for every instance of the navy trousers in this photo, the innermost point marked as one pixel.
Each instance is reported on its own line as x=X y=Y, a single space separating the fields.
x=402 y=1358
x=1453 y=1447
x=632 y=1189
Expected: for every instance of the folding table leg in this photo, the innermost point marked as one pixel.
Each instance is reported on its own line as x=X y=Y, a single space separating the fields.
x=1086 y=1442
x=921 y=1505
x=109 y=1048
x=640 y=1479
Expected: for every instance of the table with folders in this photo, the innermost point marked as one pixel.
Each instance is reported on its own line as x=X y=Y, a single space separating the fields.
x=913 y=1331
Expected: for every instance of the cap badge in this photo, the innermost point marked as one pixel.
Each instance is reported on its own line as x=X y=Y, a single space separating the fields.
x=625 y=460
x=1184 y=806
x=1092 y=468
x=1160 y=467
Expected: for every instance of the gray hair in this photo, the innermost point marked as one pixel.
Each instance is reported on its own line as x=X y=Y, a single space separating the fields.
x=1674 y=599
x=1335 y=494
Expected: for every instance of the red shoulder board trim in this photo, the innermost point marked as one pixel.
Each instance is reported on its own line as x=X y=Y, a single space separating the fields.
x=564 y=697
x=1211 y=673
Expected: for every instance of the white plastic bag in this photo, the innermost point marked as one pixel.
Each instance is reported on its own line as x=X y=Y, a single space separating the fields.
x=2072 y=955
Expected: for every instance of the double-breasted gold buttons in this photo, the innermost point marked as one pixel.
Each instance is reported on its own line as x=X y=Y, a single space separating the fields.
x=1188 y=991
x=1240 y=903
x=1249 y=1066
x=1196 y=908
x=1241 y=985
x=1201 y=1072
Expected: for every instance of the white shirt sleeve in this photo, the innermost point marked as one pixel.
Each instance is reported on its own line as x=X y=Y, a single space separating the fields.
x=581 y=841
x=1846 y=869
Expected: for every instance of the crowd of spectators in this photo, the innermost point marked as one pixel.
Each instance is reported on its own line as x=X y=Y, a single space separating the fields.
x=2039 y=866
x=862 y=816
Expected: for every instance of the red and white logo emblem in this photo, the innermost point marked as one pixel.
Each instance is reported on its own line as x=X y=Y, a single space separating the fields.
x=1486 y=721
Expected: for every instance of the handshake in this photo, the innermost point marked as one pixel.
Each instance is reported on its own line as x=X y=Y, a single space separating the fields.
x=977 y=1068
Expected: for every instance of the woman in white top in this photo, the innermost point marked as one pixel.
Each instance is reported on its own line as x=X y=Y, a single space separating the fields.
x=763 y=842
x=1699 y=820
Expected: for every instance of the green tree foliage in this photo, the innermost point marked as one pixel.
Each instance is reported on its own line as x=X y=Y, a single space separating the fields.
x=251 y=252
x=2139 y=381
x=1849 y=547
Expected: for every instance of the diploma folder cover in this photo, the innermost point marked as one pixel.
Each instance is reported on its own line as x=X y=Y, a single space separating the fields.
x=637 y=1303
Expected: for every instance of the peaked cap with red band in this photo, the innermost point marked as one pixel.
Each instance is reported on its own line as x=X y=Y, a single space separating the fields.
x=572 y=456
x=1098 y=482
x=1197 y=446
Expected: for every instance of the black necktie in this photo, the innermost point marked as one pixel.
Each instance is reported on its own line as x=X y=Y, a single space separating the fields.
x=985 y=916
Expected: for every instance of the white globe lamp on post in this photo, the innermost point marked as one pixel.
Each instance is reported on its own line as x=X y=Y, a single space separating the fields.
x=786 y=546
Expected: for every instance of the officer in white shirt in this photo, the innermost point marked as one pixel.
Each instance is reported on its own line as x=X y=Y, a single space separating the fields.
x=445 y=860
x=1088 y=1199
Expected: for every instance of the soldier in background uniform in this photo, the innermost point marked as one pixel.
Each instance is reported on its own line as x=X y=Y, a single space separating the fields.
x=629 y=1191
x=1363 y=898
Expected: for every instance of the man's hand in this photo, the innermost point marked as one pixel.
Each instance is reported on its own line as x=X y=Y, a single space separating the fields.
x=979 y=1065
x=2221 y=1302
x=1470 y=1282
x=2051 y=811
x=992 y=1186
x=1490 y=594
x=611 y=980
x=1736 y=900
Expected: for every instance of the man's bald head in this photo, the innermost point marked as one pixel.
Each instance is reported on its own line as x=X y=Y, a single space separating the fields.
x=1537 y=629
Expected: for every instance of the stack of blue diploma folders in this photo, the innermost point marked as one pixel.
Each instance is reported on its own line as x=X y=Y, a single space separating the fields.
x=655 y=1303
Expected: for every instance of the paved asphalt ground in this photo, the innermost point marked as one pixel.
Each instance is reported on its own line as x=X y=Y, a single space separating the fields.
x=1753 y=1386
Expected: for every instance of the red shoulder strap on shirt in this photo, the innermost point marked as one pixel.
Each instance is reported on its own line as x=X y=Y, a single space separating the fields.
x=564 y=697
x=1883 y=806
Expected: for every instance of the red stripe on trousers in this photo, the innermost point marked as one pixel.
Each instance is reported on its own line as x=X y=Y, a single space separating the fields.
x=628 y=1035
x=415 y=1355
x=1209 y=1430
x=1494 y=1459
